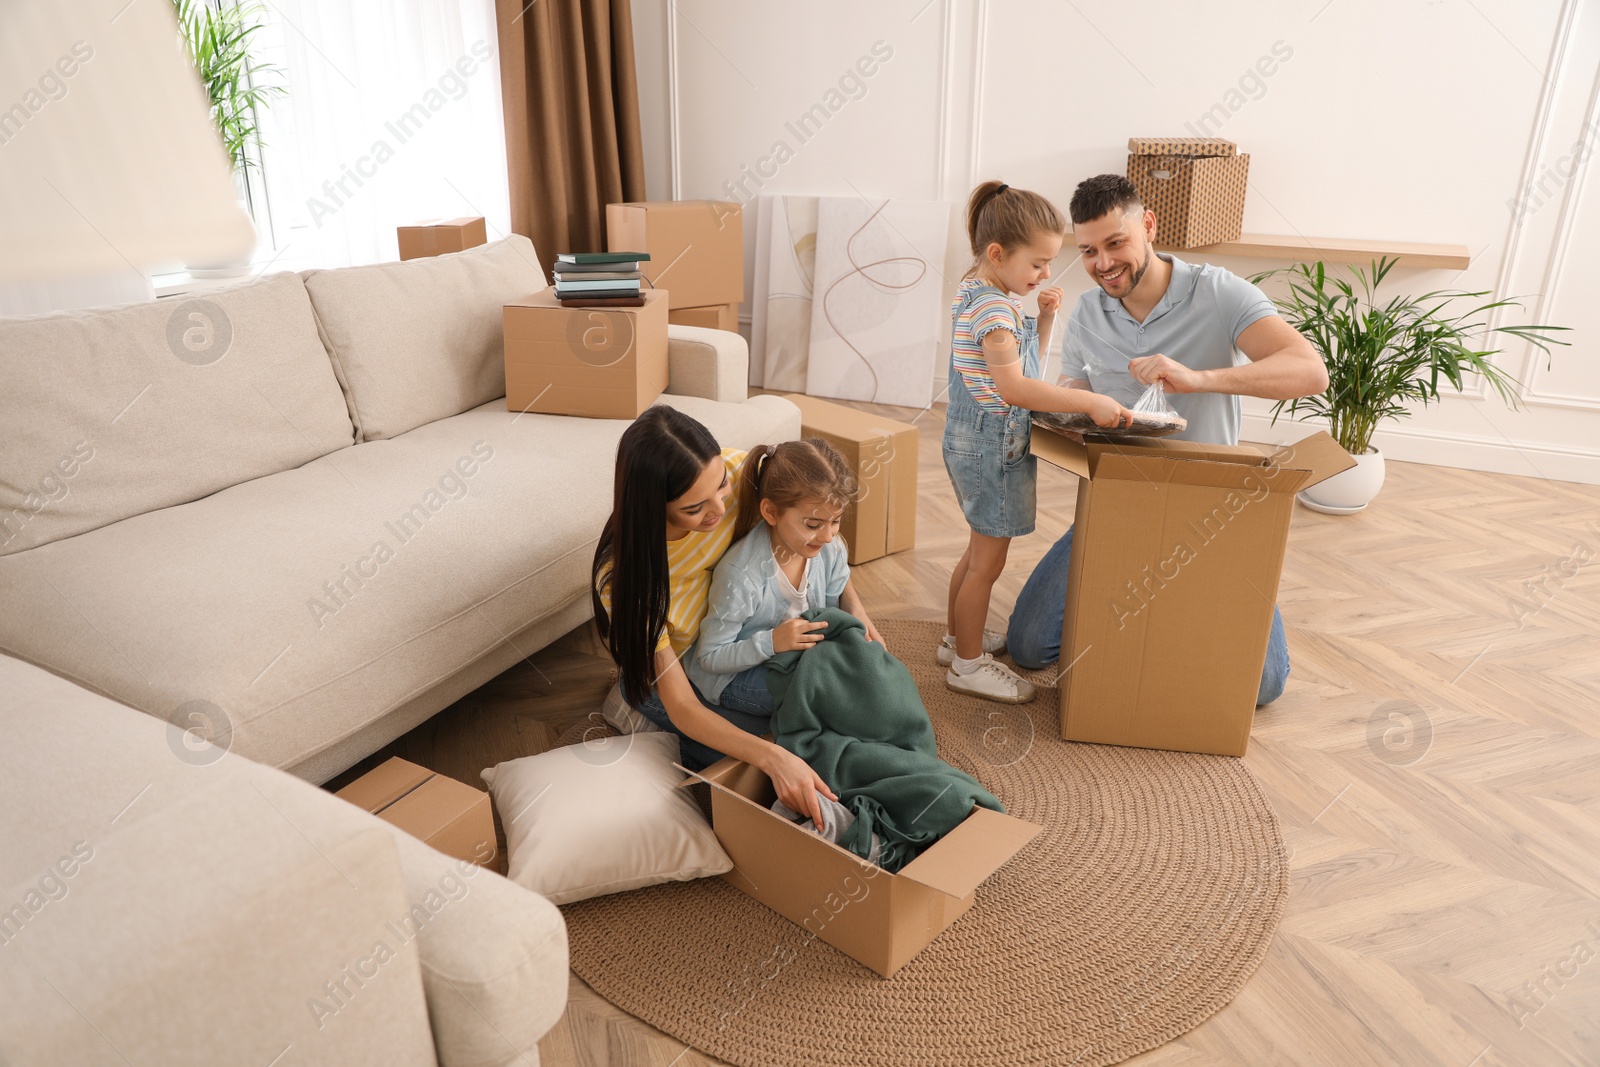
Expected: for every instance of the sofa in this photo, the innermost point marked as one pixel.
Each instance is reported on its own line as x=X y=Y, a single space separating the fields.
x=293 y=518
x=330 y=529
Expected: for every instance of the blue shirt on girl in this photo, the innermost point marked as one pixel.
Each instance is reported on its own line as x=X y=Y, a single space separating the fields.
x=749 y=598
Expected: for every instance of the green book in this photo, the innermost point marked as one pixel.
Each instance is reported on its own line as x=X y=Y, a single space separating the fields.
x=603 y=257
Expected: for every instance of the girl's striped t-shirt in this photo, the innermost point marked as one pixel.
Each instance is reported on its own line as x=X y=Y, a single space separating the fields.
x=988 y=310
x=690 y=561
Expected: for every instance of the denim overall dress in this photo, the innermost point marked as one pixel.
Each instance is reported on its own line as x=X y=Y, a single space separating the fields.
x=986 y=452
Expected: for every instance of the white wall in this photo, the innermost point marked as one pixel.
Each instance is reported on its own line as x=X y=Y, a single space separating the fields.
x=1413 y=121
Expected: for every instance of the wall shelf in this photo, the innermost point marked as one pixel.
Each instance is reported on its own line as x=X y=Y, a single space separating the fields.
x=1333 y=250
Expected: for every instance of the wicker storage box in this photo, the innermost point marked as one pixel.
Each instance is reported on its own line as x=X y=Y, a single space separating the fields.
x=1195 y=185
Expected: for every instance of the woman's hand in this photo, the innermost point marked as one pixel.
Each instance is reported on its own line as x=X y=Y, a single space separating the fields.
x=1050 y=300
x=797 y=635
x=798 y=785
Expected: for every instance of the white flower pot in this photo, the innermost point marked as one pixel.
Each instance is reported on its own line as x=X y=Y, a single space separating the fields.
x=1349 y=491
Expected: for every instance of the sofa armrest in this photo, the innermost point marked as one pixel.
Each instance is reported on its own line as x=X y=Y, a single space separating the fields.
x=714 y=364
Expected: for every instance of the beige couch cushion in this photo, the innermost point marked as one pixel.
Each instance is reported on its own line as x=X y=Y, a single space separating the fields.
x=116 y=412
x=308 y=604
x=421 y=340
x=265 y=852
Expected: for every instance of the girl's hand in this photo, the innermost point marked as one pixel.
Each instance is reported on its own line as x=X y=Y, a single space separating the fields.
x=796 y=635
x=1050 y=300
x=1106 y=411
x=872 y=631
x=797 y=785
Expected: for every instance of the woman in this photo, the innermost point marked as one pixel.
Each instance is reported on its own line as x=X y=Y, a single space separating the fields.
x=676 y=503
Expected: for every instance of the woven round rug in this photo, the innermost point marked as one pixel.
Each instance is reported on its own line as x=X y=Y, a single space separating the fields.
x=1143 y=906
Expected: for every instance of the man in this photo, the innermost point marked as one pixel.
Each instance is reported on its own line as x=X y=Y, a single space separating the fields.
x=1167 y=321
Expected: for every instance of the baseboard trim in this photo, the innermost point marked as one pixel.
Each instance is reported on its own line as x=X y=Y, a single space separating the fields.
x=1527 y=459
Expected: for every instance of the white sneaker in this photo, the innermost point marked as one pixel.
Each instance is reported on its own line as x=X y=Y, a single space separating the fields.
x=992 y=680
x=993 y=645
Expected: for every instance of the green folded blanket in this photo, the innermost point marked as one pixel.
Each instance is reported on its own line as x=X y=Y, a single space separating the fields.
x=851 y=711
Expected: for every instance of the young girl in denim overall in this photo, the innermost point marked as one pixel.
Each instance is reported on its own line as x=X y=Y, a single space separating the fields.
x=995 y=386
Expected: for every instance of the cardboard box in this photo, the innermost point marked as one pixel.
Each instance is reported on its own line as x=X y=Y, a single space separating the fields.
x=602 y=362
x=696 y=247
x=436 y=237
x=1195 y=185
x=879 y=919
x=450 y=816
x=1176 y=556
x=883 y=453
x=715 y=317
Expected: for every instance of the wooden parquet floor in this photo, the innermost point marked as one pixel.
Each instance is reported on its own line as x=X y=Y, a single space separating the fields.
x=1435 y=762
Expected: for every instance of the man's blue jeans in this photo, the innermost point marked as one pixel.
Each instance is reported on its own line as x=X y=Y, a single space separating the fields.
x=746 y=702
x=1034 y=635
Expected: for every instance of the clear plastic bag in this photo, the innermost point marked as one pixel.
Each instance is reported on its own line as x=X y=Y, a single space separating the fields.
x=1153 y=415
x=1155 y=419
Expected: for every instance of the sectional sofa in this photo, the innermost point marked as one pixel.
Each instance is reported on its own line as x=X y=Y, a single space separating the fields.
x=293 y=518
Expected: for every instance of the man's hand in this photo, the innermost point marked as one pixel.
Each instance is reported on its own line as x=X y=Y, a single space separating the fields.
x=1050 y=300
x=1158 y=368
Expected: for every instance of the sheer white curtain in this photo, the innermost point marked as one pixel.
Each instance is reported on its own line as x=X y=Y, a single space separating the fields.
x=392 y=116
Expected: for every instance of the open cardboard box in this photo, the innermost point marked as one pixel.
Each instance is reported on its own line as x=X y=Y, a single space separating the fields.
x=876 y=918
x=1176 y=555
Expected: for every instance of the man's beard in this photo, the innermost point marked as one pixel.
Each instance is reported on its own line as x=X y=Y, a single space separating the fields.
x=1137 y=276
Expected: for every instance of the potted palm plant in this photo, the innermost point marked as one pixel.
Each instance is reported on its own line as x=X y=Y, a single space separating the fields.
x=1383 y=355
x=218 y=41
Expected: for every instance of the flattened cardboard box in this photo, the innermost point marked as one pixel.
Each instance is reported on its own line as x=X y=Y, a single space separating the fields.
x=715 y=317
x=448 y=815
x=602 y=363
x=1176 y=555
x=1196 y=187
x=883 y=454
x=878 y=919
x=696 y=247
x=436 y=238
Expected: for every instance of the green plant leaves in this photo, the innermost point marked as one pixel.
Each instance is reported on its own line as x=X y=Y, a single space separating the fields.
x=1381 y=357
x=218 y=43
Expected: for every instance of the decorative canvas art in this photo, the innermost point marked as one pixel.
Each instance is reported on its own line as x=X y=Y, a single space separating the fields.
x=786 y=253
x=877 y=300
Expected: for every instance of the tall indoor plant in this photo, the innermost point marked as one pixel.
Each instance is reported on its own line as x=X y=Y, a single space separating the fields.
x=218 y=41
x=1384 y=355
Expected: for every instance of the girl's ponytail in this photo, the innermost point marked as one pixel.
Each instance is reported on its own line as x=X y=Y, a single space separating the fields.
x=999 y=214
x=792 y=472
x=750 y=478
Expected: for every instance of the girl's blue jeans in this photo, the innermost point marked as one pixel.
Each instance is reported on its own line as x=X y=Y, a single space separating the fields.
x=746 y=702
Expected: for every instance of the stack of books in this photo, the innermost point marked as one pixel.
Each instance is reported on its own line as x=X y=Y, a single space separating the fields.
x=600 y=279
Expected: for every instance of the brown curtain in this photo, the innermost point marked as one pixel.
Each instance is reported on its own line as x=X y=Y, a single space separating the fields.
x=572 y=118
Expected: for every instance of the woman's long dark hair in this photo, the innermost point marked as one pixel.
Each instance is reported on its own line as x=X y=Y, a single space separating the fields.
x=658 y=460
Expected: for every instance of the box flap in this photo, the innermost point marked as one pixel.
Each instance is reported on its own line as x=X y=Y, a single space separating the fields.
x=1319 y=454
x=384 y=784
x=1059 y=451
x=1181 y=146
x=960 y=860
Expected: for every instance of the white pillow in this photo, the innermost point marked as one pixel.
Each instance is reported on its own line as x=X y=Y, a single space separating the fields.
x=602 y=817
x=622 y=715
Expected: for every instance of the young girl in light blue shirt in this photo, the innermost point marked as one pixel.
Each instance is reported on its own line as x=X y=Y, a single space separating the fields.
x=790 y=561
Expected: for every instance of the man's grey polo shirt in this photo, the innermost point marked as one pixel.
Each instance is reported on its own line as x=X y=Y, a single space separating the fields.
x=1197 y=322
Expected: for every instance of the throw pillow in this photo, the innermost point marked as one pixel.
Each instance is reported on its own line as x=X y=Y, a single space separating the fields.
x=602 y=817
